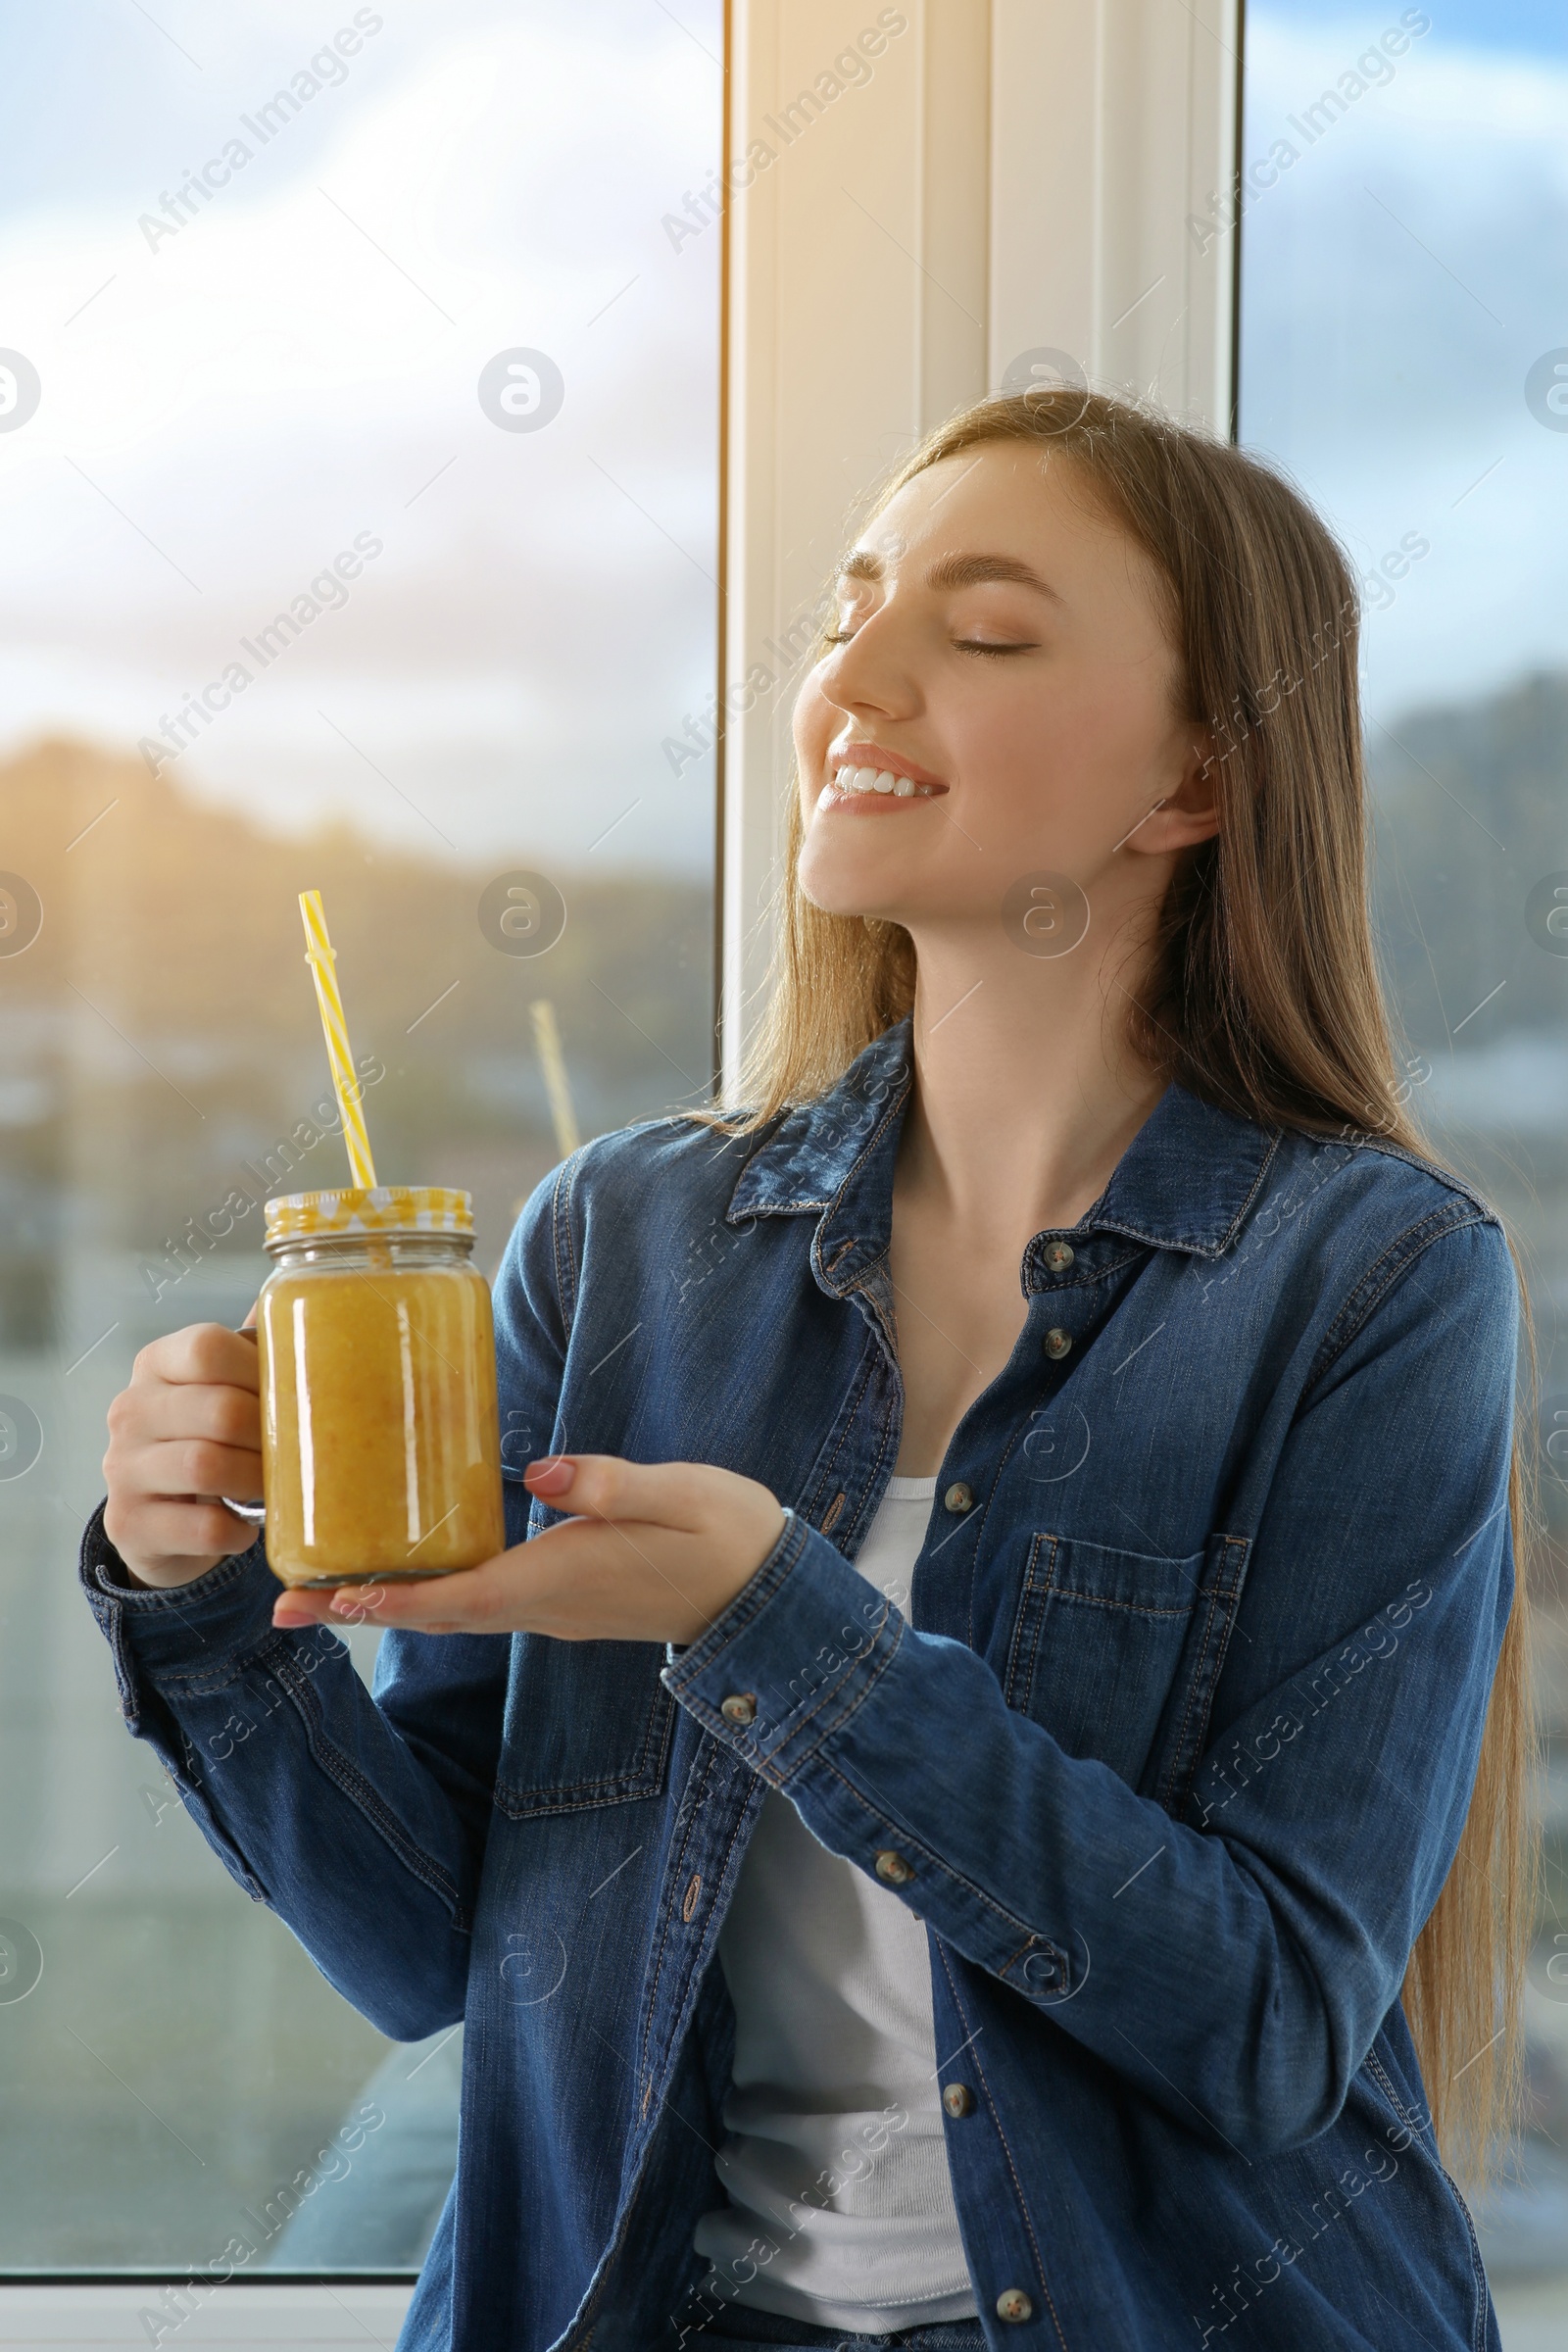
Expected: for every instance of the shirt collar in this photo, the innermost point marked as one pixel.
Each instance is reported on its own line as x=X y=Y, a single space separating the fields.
x=1186 y=1181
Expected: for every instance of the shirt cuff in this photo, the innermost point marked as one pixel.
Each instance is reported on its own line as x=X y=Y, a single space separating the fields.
x=798 y=1649
x=177 y=1635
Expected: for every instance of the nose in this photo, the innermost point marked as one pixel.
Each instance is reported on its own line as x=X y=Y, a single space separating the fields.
x=871 y=672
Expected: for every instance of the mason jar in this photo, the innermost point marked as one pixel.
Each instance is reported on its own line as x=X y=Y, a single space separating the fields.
x=380 y=1438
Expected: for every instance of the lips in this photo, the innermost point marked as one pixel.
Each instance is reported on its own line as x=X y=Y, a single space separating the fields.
x=862 y=768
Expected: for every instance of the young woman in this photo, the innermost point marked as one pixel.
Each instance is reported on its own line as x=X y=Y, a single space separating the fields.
x=1018 y=1564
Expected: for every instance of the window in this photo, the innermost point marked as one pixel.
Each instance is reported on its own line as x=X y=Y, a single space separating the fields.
x=1404 y=352
x=358 y=488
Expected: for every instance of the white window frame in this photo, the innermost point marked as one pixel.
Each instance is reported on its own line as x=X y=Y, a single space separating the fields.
x=87 y=2316
x=1013 y=175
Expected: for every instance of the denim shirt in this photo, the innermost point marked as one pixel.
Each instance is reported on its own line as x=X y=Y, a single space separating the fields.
x=1171 y=1752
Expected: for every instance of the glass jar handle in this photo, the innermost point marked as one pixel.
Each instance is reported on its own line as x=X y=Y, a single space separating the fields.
x=254 y=1514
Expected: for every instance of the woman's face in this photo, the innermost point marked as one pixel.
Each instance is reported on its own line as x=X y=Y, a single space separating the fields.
x=1004 y=656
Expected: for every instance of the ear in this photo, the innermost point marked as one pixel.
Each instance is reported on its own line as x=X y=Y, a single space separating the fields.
x=1190 y=810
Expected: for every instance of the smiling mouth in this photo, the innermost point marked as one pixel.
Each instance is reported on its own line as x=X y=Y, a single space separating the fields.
x=847 y=781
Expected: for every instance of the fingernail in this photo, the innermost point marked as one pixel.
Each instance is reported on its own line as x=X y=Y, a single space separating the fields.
x=289 y=1613
x=550 y=1476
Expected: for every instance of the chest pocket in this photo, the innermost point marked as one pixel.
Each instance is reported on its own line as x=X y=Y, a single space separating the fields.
x=1116 y=1653
x=587 y=1722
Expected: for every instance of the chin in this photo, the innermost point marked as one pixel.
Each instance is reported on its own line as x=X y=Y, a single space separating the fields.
x=826 y=885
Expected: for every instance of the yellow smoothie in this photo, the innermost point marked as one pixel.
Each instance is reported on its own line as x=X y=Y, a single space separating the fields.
x=380 y=1442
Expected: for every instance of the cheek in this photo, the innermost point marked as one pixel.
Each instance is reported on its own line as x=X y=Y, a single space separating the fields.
x=1017 y=749
x=815 y=720
x=1056 y=745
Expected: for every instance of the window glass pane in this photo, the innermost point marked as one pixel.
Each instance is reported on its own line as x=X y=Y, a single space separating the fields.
x=357 y=493
x=1404 y=353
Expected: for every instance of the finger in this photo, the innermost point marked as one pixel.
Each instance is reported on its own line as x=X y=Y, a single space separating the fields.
x=225 y=1416
x=193 y=1469
x=467 y=1599
x=183 y=1531
x=204 y=1352
x=293 y=1606
x=335 y=1605
x=602 y=1486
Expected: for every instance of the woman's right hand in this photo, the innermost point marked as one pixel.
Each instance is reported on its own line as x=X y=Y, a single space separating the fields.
x=186 y=1432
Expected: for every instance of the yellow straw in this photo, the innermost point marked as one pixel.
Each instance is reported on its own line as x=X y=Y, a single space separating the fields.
x=322 y=960
x=546 y=1036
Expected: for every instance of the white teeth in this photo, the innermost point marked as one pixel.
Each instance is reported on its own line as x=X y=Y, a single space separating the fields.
x=870 y=779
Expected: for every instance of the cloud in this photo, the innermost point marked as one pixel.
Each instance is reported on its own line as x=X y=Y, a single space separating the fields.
x=1397 y=283
x=299 y=363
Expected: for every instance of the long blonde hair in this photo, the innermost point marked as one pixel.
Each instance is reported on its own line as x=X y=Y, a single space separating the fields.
x=1264 y=997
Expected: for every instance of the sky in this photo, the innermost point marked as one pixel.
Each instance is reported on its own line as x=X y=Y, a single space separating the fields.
x=1398 y=282
x=1530 y=28
x=228 y=409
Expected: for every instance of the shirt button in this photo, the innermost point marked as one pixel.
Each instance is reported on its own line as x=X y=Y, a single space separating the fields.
x=1059 y=1257
x=959 y=1497
x=1057 y=1342
x=959 y=2100
x=739 y=1707
x=1013 y=2304
x=893 y=1867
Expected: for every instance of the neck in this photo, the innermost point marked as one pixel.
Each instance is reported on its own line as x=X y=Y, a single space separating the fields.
x=1027 y=1088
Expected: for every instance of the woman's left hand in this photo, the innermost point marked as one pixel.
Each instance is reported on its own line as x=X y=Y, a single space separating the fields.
x=653 y=1552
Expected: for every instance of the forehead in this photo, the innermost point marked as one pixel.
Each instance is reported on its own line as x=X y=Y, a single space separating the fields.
x=1015 y=510
x=1020 y=496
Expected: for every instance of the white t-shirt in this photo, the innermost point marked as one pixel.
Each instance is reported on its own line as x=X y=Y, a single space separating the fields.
x=834 y=2154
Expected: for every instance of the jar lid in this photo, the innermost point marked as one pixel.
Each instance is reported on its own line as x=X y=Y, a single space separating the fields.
x=384 y=1209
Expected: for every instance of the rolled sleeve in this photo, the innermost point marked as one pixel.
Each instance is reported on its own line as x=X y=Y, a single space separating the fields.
x=360 y=1822
x=213 y=1625
x=767 y=1650
x=794 y=1658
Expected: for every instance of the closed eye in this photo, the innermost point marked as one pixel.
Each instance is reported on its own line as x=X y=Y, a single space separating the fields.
x=966 y=645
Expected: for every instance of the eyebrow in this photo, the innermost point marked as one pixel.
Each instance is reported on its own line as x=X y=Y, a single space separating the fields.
x=955 y=571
